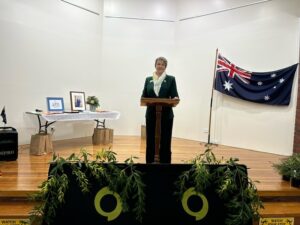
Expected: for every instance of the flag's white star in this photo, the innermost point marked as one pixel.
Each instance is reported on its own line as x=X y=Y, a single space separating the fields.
x=273 y=75
x=274 y=87
x=267 y=97
x=281 y=80
x=227 y=85
x=259 y=83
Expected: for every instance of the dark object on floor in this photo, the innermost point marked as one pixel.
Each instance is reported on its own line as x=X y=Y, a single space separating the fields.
x=8 y=144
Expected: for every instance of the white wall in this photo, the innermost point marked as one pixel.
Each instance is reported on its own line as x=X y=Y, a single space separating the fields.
x=130 y=47
x=49 y=48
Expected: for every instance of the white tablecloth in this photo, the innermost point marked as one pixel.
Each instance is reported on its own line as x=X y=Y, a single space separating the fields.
x=104 y=115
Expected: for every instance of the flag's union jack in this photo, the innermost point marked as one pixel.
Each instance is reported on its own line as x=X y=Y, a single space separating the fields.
x=224 y=65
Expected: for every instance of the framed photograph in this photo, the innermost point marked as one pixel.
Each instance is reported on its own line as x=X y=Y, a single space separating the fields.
x=55 y=104
x=77 y=101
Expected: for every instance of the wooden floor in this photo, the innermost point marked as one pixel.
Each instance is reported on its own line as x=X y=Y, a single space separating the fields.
x=22 y=177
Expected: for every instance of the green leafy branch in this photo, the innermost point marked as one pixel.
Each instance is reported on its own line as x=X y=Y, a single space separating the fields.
x=136 y=186
x=51 y=195
x=104 y=169
x=238 y=192
x=231 y=182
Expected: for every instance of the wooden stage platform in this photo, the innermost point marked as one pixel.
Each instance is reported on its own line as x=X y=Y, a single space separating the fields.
x=21 y=178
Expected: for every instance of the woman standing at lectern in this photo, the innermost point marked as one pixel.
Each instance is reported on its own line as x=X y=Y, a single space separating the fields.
x=159 y=85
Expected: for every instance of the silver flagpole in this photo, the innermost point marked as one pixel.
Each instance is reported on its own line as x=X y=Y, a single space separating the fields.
x=211 y=97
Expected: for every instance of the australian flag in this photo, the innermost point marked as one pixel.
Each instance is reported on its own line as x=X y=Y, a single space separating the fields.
x=273 y=88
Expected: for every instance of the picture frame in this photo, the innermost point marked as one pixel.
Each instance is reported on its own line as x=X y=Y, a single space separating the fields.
x=55 y=104
x=77 y=100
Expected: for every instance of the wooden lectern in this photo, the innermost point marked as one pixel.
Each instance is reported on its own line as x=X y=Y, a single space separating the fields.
x=158 y=103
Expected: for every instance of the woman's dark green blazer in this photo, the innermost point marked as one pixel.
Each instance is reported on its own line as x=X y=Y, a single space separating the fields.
x=168 y=89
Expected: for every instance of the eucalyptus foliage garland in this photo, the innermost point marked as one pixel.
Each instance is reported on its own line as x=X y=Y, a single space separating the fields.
x=238 y=192
x=127 y=182
x=230 y=180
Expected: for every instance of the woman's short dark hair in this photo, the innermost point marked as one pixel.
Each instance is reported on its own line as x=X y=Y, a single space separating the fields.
x=163 y=59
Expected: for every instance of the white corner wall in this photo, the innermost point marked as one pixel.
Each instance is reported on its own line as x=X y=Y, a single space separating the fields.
x=133 y=36
x=261 y=37
x=49 y=48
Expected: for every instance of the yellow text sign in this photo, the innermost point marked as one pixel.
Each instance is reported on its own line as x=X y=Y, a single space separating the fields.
x=277 y=221
x=14 y=221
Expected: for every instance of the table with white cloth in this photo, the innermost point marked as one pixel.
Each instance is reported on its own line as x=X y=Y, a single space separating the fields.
x=50 y=118
x=42 y=141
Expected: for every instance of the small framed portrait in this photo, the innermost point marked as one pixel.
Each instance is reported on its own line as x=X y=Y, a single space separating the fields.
x=77 y=100
x=55 y=104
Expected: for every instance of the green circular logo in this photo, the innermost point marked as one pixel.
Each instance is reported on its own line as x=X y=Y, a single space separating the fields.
x=114 y=213
x=184 y=201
